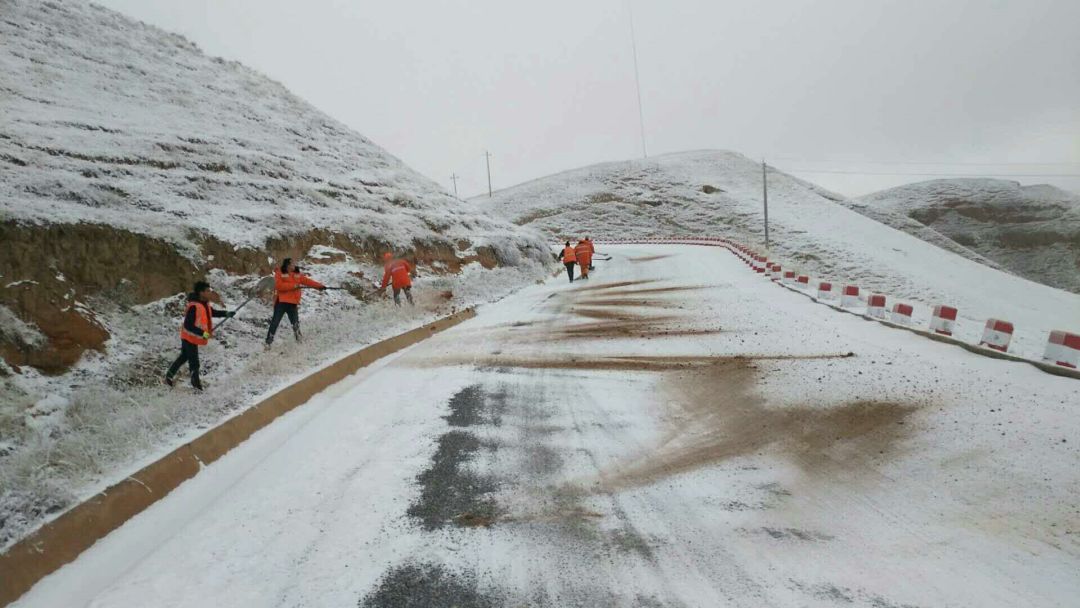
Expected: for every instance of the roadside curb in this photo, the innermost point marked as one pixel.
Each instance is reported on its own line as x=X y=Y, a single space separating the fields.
x=63 y=539
x=757 y=263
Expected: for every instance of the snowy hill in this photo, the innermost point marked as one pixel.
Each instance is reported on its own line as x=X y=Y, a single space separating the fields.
x=718 y=193
x=1033 y=231
x=131 y=164
x=134 y=137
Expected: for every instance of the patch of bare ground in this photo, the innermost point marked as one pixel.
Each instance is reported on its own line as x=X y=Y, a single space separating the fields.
x=652 y=290
x=642 y=363
x=630 y=302
x=716 y=415
x=612 y=285
x=612 y=315
x=650 y=258
x=645 y=328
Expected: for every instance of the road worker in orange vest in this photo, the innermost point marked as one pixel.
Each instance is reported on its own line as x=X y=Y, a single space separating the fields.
x=195 y=331
x=289 y=282
x=569 y=258
x=398 y=274
x=592 y=250
x=583 y=254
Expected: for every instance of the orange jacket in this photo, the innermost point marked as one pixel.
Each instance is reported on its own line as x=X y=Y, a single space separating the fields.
x=583 y=253
x=569 y=255
x=203 y=320
x=592 y=248
x=288 y=286
x=399 y=272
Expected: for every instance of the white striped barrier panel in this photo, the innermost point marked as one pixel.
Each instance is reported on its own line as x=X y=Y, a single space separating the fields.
x=943 y=320
x=901 y=313
x=824 y=290
x=1063 y=348
x=849 y=297
x=875 y=305
x=997 y=334
x=803 y=281
x=776 y=272
x=789 y=277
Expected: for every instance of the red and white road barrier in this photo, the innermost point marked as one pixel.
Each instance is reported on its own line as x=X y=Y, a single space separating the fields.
x=824 y=290
x=849 y=297
x=875 y=306
x=901 y=313
x=943 y=320
x=1063 y=348
x=997 y=334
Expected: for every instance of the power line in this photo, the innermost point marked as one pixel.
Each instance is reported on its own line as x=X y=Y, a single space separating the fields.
x=487 y=161
x=837 y=172
x=637 y=79
x=929 y=163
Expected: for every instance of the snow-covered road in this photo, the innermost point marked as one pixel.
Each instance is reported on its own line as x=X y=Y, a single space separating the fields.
x=676 y=431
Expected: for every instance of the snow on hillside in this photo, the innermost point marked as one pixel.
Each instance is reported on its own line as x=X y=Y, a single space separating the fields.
x=115 y=122
x=130 y=165
x=718 y=193
x=1033 y=231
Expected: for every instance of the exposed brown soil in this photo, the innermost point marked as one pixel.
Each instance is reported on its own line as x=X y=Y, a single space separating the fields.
x=613 y=315
x=652 y=290
x=630 y=302
x=650 y=258
x=611 y=285
x=644 y=328
x=717 y=416
x=618 y=363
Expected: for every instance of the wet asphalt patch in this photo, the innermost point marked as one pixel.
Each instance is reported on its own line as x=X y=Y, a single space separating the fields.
x=422 y=585
x=451 y=492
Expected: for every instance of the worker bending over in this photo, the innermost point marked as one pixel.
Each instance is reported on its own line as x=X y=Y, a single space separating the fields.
x=398 y=273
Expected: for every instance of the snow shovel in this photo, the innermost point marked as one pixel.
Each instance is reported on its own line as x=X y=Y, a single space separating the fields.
x=264 y=285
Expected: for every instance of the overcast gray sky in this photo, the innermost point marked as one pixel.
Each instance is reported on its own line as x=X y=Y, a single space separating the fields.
x=824 y=85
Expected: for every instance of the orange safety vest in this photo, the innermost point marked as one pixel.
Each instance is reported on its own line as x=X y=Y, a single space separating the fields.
x=288 y=286
x=203 y=320
x=398 y=271
x=583 y=252
x=568 y=255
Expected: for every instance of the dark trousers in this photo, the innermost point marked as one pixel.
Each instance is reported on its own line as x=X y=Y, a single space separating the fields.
x=280 y=310
x=570 y=270
x=408 y=295
x=189 y=353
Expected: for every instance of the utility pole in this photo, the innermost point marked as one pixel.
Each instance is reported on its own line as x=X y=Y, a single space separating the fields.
x=765 y=199
x=453 y=178
x=637 y=79
x=487 y=159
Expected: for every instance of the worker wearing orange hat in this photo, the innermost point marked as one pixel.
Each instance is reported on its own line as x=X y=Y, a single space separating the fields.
x=397 y=272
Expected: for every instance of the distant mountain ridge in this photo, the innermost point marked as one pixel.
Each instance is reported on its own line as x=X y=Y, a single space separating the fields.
x=1032 y=231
